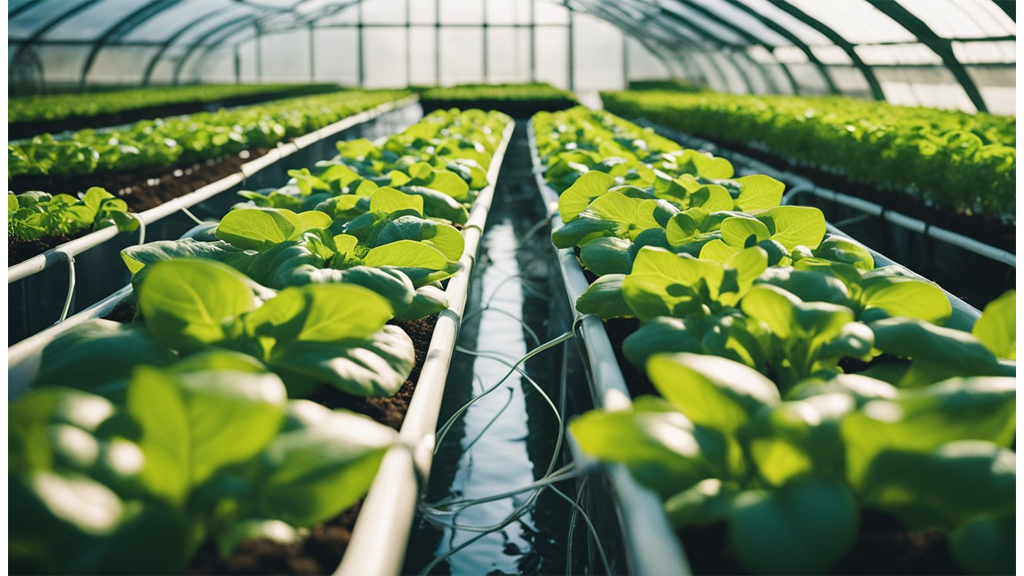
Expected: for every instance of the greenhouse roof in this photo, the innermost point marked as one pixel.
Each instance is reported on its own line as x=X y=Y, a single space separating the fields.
x=860 y=47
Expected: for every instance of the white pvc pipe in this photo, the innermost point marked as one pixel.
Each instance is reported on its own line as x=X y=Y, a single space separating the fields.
x=381 y=534
x=74 y=247
x=651 y=544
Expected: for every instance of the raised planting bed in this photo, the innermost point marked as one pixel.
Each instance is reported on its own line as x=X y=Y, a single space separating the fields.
x=353 y=304
x=516 y=100
x=31 y=115
x=798 y=402
x=44 y=296
x=951 y=169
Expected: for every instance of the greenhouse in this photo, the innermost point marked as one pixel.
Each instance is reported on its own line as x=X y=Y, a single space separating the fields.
x=464 y=287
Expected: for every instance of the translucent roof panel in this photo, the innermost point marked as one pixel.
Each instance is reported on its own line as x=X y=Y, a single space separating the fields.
x=93 y=21
x=713 y=29
x=897 y=54
x=745 y=21
x=220 y=22
x=855 y=20
x=962 y=18
x=39 y=15
x=805 y=33
x=986 y=52
x=167 y=23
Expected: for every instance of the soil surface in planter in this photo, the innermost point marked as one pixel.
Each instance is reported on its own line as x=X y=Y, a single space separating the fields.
x=883 y=547
x=19 y=250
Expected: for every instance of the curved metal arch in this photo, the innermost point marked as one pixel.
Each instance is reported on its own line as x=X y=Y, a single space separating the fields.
x=838 y=40
x=941 y=46
x=19 y=9
x=682 y=45
x=753 y=40
x=151 y=66
x=42 y=30
x=231 y=26
x=793 y=38
x=300 y=22
x=719 y=43
x=123 y=26
x=1008 y=6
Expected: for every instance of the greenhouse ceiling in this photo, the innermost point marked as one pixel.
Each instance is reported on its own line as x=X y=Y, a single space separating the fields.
x=949 y=53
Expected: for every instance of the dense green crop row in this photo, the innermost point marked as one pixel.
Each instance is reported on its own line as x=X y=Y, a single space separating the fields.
x=954 y=160
x=141 y=441
x=168 y=142
x=68 y=106
x=664 y=85
x=498 y=93
x=34 y=215
x=799 y=383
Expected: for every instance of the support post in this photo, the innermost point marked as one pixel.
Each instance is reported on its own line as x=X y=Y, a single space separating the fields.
x=533 y=40
x=360 y=72
x=259 y=55
x=571 y=53
x=408 y=43
x=437 y=42
x=483 y=44
x=238 y=66
x=625 y=61
x=312 y=53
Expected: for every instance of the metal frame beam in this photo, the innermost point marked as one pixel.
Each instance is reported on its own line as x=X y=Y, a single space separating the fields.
x=151 y=66
x=42 y=30
x=941 y=46
x=838 y=40
x=123 y=26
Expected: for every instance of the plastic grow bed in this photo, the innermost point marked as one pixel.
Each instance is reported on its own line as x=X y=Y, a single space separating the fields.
x=381 y=532
x=167 y=220
x=651 y=545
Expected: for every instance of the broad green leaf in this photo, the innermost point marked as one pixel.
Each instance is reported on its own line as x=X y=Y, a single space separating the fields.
x=422 y=263
x=706 y=502
x=986 y=545
x=608 y=255
x=427 y=300
x=387 y=200
x=759 y=192
x=901 y=296
x=259 y=228
x=604 y=298
x=311 y=474
x=447 y=239
x=923 y=419
x=377 y=365
x=98 y=352
x=743 y=232
x=659 y=446
x=711 y=391
x=667 y=284
x=997 y=327
x=846 y=251
x=185 y=302
x=585 y=190
x=952 y=484
x=803 y=528
x=945 y=351
x=794 y=226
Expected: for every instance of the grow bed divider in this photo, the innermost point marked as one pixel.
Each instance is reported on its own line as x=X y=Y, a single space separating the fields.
x=381 y=533
x=66 y=251
x=652 y=547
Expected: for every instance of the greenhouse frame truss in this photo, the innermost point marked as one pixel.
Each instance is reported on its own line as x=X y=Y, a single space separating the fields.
x=753 y=46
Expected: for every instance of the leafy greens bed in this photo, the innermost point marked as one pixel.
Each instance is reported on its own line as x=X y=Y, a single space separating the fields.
x=953 y=160
x=800 y=385
x=140 y=441
x=33 y=215
x=170 y=141
x=510 y=92
x=74 y=106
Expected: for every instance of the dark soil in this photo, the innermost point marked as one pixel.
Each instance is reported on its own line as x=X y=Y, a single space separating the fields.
x=323 y=549
x=883 y=547
x=389 y=410
x=146 y=188
x=986 y=228
x=20 y=250
x=514 y=108
x=318 y=553
x=19 y=130
x=123 y=312
x=636 y=381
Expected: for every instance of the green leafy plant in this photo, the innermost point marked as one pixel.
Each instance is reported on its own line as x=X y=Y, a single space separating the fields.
x=34 y=215
x=205 y=448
